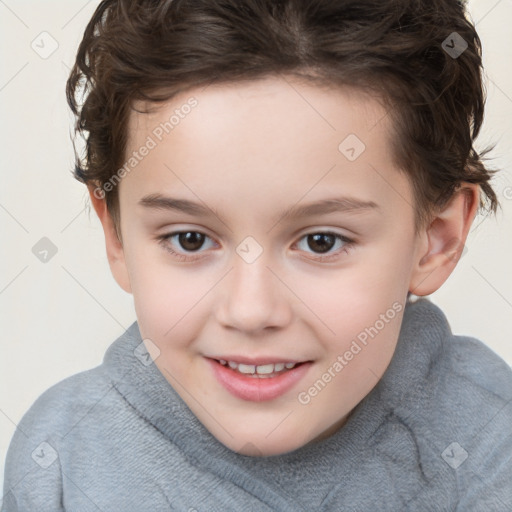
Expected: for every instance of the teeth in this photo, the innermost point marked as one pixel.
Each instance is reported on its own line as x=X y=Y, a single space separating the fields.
x=266 y=368
x=245 y=368
x=251 y=369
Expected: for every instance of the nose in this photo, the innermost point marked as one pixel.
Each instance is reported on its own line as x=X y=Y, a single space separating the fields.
x=253 y=298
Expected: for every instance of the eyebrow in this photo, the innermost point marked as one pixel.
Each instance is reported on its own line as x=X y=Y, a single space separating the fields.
x=332 y=205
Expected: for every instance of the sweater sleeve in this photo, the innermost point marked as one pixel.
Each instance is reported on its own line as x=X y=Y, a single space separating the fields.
x=486 y=482
x=489 y=486
x=33 y=477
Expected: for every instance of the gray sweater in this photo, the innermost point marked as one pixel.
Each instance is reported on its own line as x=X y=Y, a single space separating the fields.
x=435 y=434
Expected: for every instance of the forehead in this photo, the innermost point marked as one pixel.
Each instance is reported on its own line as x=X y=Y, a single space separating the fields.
x=276 y=133
x=264 y=105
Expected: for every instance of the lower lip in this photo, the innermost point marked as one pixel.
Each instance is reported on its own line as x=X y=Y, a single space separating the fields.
x=255 y=389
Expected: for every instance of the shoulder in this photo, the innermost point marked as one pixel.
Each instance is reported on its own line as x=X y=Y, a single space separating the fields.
x=456 y=363
x=488 y=378
x=477 y=389
x=32 y=461
x=58 y=407
x=480 y=366
x=455 y=400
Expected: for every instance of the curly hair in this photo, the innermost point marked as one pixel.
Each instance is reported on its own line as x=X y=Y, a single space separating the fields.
x=398 y=49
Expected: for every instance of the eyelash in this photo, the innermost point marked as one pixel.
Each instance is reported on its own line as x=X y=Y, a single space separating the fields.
x=349 y=244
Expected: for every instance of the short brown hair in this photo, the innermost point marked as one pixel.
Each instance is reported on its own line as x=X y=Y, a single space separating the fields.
x=151 y=50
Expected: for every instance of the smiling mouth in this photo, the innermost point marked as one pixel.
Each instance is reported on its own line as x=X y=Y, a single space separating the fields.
x=258 y=382
x=263 y=371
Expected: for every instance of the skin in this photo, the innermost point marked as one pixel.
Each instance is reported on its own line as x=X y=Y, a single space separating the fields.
x=247 y=151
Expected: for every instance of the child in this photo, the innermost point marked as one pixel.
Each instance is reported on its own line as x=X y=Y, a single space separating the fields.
x=320 y=155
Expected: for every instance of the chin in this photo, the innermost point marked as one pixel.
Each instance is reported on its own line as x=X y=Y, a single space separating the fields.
x=259 y=446
x=258 y=450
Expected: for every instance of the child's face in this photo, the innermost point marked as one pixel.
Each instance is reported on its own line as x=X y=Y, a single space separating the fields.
x=253 y=286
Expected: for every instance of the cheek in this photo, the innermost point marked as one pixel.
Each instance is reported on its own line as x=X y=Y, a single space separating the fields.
x=347 y=301
x=358 y=311
x=164 y=296
x=362 y=353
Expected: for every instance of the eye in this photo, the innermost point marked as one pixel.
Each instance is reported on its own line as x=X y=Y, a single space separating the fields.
x=323 y=242
x=189 y=240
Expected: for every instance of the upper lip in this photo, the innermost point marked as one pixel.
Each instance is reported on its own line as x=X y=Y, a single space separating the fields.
x=257 y=361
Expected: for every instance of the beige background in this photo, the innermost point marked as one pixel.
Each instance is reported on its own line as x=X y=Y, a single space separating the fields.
x=59 y=317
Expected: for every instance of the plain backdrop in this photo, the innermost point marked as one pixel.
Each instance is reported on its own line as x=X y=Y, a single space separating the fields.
x=59 y=316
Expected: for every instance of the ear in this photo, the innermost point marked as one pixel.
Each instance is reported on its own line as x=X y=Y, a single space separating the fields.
x=443 y=241
x=115 y=250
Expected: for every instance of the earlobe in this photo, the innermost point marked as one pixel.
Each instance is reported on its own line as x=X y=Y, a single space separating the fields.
x=114 y=247
x=442 y=243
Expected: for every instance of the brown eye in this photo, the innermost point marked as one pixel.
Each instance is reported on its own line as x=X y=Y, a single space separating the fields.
x=191 y=240
x=321 y=242
x=183 y=244
x=321 y=245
